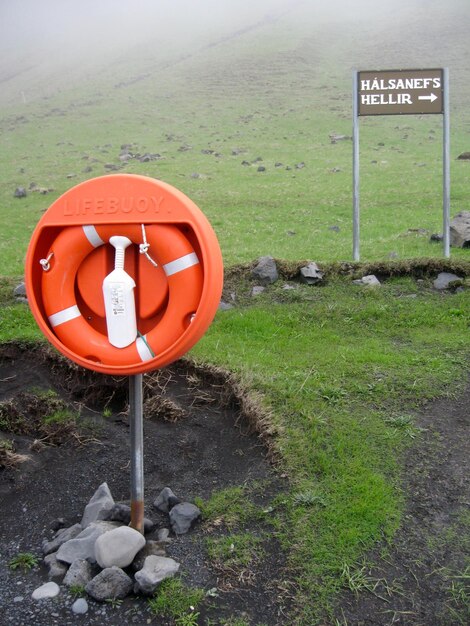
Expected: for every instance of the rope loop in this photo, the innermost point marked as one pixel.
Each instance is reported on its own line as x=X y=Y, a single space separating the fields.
x=144 y=247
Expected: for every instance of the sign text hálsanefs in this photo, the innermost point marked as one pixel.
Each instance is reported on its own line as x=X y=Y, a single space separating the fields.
x=400 y=92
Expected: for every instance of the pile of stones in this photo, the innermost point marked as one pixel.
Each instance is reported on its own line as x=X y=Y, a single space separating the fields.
x=106 y=557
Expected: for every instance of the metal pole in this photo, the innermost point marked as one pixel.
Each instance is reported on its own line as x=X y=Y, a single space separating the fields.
x=446 y=166
x=356 y=254
x=137 y=452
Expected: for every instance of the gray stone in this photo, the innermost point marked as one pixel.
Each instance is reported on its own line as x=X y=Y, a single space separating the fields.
x=62 y=536
x=80 y=606
x=156 y=569
x=265 y=271
x=48 y=590
x=101 y=502
x=311 y=274
x=83 y=545
x=225 y=306
x=368 y=281
x=111 y=583
x=20 y=192
x=122 y=513
x=445 y=280
x=118 y=547
x=464 y=156
x=164 y=534
x=460 y=230
x=79 y=574
x=183 y=516
x=257 y=290
x=165 y=500
x=335 y=137
x=20 y=290
x=55 y=568
x=151 y=548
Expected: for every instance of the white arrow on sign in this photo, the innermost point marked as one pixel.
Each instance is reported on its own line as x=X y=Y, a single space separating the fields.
x=431 y=98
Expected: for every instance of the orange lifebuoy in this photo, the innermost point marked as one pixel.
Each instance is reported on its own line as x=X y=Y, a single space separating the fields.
x=180 y=264
x=176 y=296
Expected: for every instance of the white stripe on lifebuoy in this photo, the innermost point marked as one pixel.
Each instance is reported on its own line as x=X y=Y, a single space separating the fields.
x=64 y=316
x=178 y=265
x=143 y=349
x=92 y=235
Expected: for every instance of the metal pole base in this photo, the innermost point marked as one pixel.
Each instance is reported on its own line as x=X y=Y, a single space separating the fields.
x=137 y=452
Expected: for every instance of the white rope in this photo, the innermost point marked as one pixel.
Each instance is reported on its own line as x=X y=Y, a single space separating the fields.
x=144 y=247
x=46 y=266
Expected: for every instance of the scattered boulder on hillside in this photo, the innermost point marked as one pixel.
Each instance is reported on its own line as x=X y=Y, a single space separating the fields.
x=465 y=156
x=445 y=280
x=335 y=137
x=436 y=238
x=265 y=271
x=20 y=192
x=261 y=168
x=460 y=230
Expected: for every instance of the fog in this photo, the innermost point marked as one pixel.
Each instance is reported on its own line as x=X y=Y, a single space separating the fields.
x=89 y=26
x=42 y=39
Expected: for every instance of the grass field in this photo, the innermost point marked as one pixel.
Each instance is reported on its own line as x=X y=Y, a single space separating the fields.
x=341 y=370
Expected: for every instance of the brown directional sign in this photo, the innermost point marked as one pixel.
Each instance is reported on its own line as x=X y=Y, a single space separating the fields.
x=400 y=92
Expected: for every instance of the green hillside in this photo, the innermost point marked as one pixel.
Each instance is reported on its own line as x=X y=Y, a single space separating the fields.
x=270 y=84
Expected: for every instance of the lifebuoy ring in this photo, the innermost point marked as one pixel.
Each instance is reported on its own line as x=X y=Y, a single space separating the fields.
x=182 y=269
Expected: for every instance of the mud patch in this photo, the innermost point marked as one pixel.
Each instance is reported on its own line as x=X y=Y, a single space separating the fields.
x=201 y=438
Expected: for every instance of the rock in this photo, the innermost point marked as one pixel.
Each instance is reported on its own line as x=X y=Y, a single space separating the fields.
x=20 y=192
x=156 y=569
x=225 y=306
x=460 y=230
x=446 y=280
x=79 y=574
x=246 y=163
x=261 y=168
x=62 y=536
x=83 y=545
x=112 y=583
x=56 y=568
x=265 y=271
x=163 y=535
x=48 y=590
x=122 y=513
x=165 y=500
x=335 y=137
x=80 y=606
x=101 y=502
x=300 y=166
x=257 y=290
x=151 y=548
x=58 y=524
x=118 y=547
x=334 y=228
x=20 y=290
x=183 y=516
x=368 y=281
x=311 y=274
x=436 y=237
x=465 y=156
